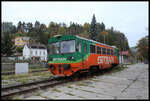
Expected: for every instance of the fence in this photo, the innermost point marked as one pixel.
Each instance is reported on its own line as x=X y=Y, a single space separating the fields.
x=5 y=67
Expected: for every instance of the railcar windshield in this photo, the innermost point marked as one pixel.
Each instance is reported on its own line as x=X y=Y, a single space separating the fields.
x=54 y=48
x=62 y=47
x=67 y=46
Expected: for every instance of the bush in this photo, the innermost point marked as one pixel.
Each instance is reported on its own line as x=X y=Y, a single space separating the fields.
x=19 y=49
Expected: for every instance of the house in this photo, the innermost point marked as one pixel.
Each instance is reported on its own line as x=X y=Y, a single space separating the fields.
x=124 y=57
x=21 y=41
x=35 y=52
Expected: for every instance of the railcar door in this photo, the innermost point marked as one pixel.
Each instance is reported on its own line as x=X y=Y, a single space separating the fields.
x=84 y=54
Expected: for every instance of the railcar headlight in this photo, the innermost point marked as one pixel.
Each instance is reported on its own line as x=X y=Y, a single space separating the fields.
x=71 y=58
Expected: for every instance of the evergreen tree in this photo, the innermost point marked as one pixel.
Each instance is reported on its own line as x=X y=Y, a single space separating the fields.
x=37 y=25
x=93 y=29
x=19 y=27
x=7 y=46
x=102 y=27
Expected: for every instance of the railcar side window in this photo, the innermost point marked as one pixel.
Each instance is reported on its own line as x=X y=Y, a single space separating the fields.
x=111 y=52
x=92 y=49
x=108 y=51
x=98 y=50
x=104 y=50
x=85 y=48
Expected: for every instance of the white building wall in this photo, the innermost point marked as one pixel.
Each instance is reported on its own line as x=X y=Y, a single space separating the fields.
x=26 y=52
x=36 y=52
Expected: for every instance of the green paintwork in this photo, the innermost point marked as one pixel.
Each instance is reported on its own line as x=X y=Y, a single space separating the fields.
x=78 y=56
x=76 y=60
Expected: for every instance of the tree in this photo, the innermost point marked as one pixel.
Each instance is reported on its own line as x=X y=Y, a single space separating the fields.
x=8 y=27
x=93 y=29
x=104 y=33
x=102 y=27
x=7 y=46
x=20 y=27
x=143 y=48
x=43 y=27
x=37 y=25
x=29 y=27
x=19 y=49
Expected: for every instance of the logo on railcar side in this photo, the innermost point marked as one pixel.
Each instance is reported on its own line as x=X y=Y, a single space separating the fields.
x=105 y=59
x=59 y=59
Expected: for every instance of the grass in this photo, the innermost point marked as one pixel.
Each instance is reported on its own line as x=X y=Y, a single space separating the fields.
x=56 y=90
x=29 y=75
x=16 y=98
x=70 y=94
x=5 y=82
x=69 y=86
x=88 y=91
x=81 y=84
x=24 y=80
x=37 y=94
x=95 y=80
x=118 y=68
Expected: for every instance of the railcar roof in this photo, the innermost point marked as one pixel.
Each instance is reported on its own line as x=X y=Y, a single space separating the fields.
x=94 y=41
x=87 y=40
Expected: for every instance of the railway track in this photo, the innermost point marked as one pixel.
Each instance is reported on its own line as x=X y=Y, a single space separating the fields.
x=9 y=92
x=10 y=73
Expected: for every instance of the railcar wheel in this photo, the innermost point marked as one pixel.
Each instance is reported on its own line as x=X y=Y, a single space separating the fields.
x=75 y=76
x=94 y=69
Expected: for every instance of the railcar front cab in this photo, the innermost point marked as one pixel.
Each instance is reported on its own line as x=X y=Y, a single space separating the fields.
x=64 y=53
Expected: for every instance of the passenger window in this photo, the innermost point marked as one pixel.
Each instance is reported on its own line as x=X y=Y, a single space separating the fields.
x=92 y=49
x=98 y=50
x=108 y=51
x=85 y=48
x=111 y=52
x=104 y=50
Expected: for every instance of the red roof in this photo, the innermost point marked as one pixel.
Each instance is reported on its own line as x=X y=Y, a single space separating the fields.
x=124 y=53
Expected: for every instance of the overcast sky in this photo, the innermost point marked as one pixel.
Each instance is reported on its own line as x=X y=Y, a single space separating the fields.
x=131 y=18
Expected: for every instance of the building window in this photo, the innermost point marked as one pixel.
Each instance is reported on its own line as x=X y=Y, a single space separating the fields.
x=44 y=53
x=35 y=52
x=98 y=50
x=92 y=49
x=40 y=52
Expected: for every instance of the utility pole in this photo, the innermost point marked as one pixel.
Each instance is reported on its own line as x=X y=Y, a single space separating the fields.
x=104 y=39
x=121 y=51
